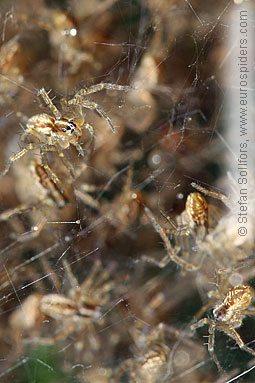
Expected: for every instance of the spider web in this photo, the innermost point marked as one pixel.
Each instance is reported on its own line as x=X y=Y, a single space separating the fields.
x=177 y=124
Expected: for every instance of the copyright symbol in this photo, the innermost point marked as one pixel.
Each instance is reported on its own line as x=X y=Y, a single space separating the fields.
x=242 y=231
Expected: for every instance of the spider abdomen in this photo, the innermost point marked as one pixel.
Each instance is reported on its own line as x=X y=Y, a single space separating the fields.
x=239 y=297
x=197 y=208
x=58 y=306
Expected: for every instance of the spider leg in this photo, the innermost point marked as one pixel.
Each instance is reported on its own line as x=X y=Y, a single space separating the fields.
x=88 y=282
x=211 y=325
x=128 y=183
x=249 y=311
x=51 y=340
x=65 y=161
x=176 y=230
x=53 y=277
x=103 y=114
x=125 y=368
x=42 y=92
x=99 y=87
x=200 y=323
x=48 y=170
x=33 y=233
x=222 y=283
x=79 y=100
x=205 y=307
x=90 y=129
x=212 y=194
x=79 y=148
x=234 y=335
x=102 y=282
x=18 y=210
x=163 y=328
x=88 y=188
x=211 y=346
x=87 y=199
x=171 y=252
x=70 y=275
x=94 y=106
x=17 y=156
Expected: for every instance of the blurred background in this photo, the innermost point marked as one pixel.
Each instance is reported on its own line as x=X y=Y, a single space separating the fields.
x=90 y=243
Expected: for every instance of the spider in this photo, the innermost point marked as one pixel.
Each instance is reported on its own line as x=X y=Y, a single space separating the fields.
x=120 y=214
x=228 y=315
x=80 y=309
x=151 y=366
x=195 y=221
x=42 y=198
x=42 y=202
x=223 y=243
x=57 y=132
x=126 y=207
x=152 y=360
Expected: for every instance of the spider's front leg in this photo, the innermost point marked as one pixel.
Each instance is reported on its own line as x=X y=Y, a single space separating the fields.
x=33 y=233
x=211 y=324
x=212 y=194
x=17 y=156
x=102 y=86
x=94 y=106
x=65 y=161
x=201 y=323
x=232 y=333
x=70 y=275
x=56 y=113
x=171 y=252
x=51 y=340
x=18 y=210
x=91 y=131
x=177 y=231
x=80 y=99
x=48 y=170
x=87 y=199
x=214 y=296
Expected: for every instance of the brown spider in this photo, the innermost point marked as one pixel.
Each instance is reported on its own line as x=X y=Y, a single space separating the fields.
x=81 y=308
x=228 y=315
x=43 y=198
x=151 y=361
x=42 y=202
x=57 y=133
x=193 y=219
x=126 y=207
x=153 y=358
x=151 y=366
x=194 y=222
x=119 y=215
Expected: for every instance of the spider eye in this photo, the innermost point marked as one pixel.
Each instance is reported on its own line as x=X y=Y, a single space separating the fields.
x=220 y=314
x=71 y=126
